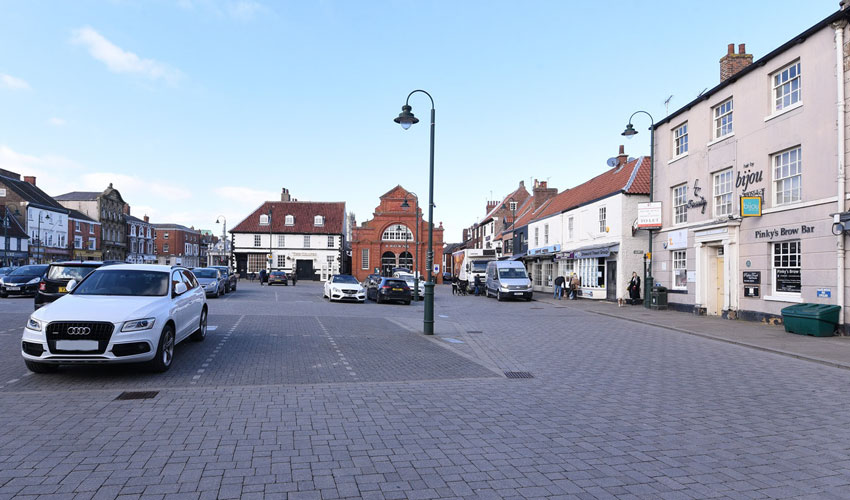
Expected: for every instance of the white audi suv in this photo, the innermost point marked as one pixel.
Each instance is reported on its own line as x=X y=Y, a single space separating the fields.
x=124 y=313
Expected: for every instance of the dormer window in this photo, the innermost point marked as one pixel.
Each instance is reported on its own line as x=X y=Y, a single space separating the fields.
x=290 y=220
x=318 y=220
x=264 y=220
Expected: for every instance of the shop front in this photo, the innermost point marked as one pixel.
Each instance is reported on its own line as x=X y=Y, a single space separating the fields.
x=540 y=263
x=596 y=268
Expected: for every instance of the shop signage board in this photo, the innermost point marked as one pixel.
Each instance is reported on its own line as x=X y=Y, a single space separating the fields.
x=824 y=293
x=750 y=206
x=752 y=277
x=788 y=280
x=751 y=291
x=677 y=240
x=649 y=215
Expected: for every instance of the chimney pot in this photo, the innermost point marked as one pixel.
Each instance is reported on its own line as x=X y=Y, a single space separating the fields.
x=30 y=179
x=731 y=48
x=742 y=48
x=732 y=63
x=622 y=149
x=146 y=219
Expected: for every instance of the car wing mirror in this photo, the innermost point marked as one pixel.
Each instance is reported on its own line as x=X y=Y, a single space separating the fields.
x=180 y=288
x=71 y=285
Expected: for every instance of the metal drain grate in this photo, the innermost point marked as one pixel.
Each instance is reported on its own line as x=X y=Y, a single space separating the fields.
x=474 y=331
x=136 y=395
x=518 y=375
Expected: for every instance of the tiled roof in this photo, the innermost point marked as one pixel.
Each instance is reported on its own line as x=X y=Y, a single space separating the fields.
x=137 y=220
x=304 y=213
x=631 y=178
x=15 y=230
x=519 y=195
x=175 y=226
x=74 y=214
x=32 y=194
x=529 y=213
x=78 y=196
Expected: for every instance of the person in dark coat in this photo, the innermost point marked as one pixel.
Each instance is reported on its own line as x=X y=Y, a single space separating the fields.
x=559 y=287
x=634 y=289
x=477 y=284
x=262 y=277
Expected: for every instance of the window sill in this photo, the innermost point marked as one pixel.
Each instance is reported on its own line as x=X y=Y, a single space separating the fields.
x=721 y=139
x=682 y=291
x=676 y=158
x=798 y=104
x=784 y=298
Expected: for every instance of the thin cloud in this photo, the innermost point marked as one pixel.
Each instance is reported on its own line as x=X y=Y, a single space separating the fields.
x=245 y=196
x=119 y=60
x=241 y=10
x=55 y=121
x=12 y=83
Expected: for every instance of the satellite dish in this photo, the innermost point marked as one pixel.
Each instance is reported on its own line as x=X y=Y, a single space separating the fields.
x=612 y=162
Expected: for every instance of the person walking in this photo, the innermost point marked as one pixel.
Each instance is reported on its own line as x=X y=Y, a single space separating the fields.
x=559 y=287
x=477 y=284
x=262 y=277
x=634 y=289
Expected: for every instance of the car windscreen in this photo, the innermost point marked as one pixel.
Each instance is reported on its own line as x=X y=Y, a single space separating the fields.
x=205 y=273
x=124 y=282
x=479 y=266
x=28 y=271
x=512 y=273
x=346 y=279
x=58 y=272
x=279 y=274
x=395 y=283
x=5 y=270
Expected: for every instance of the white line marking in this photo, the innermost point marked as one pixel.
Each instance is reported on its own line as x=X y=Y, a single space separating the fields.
x=212 y=328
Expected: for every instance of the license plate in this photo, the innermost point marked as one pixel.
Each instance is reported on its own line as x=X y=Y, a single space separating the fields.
x=15 y=288
x=518 y=293
x=398 y=289
x=62 y=289
x=76 y=345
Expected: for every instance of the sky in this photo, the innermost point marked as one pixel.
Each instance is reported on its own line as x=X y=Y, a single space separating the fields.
x=198 y=108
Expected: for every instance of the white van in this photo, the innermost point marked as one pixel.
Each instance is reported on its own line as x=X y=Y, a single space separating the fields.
x=507 y=279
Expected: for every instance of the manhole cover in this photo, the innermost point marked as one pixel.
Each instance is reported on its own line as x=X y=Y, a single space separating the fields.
x=518 y=375
x=136 y=395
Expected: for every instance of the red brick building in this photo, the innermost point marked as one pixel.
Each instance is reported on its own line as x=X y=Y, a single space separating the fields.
x=177 y=245
x=84 y=237
x=388 y=240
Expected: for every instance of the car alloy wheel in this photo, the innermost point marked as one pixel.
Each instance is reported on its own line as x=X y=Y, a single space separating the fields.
x=201 y=333
x=164 y=350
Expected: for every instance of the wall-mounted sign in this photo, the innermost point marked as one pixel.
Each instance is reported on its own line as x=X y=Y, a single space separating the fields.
x=824 y=293
x=752 y=277
x=692 y=276
x=649 y=215
x=694 y=203
x=783 y=231
x=751 y=291
x=2 y=193
x=747 y=177
x=750 y=206
x=788 y=280
x=677 y=240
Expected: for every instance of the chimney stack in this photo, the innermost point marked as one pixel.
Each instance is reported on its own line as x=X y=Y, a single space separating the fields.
x=622 y=157
x=146 y=219
x=542 y=193
x=30 y=179
x=284 y=195
x=732 y=63
x=490 y=206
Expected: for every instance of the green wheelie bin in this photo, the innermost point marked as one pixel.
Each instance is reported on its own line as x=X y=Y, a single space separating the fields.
x=818 y=320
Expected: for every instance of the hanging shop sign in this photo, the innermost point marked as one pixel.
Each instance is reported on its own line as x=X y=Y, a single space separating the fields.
x=649 y=215
x=750 y=206
x=769 y=234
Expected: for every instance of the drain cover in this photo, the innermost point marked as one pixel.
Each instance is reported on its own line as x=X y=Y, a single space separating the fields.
x=518 y=375
x=136 y=395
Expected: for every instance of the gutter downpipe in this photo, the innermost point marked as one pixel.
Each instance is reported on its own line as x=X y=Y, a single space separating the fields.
x=839 y=78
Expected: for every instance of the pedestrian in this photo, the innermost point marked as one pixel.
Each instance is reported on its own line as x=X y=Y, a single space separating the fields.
x=294 y=277
x=575 y=282
x=454 y=285
x=634 y=289
x=559 y=287
x=477 y=285
x=262 y=277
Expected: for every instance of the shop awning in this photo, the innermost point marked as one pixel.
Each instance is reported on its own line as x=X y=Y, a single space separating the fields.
x=517 y=256
x=590 y=252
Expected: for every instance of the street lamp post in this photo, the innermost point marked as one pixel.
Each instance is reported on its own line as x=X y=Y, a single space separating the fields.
x=47 y=217
x=224 y=235
x=270 y=239
x=513 y=206
x=405 y=204
x=647 y=259
x=406 y=119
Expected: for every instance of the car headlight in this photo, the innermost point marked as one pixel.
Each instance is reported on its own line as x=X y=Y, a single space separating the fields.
x=33 y=281
x=138 y=325
x=335 y=290
x=503 y=287
x=34 y=324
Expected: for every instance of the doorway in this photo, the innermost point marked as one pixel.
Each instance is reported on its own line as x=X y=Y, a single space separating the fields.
x=716 y=282
x=304 y=269
x=611 y=280
x=388 y=263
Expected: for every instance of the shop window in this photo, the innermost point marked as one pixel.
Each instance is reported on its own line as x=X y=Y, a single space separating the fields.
x=787 y=267
x=680 y=271
x=364 y=258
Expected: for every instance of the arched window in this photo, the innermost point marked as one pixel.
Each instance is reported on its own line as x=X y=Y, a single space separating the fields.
x=290 y=220
x=318 y=220
x=264 y=219
x=387 y=263
x=397 y=232
x=405 y=259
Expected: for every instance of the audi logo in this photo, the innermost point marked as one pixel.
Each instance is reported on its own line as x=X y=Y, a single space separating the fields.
x=78 y=330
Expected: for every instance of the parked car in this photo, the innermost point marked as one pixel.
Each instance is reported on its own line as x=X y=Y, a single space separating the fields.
x=507 y=279
x=344 y=287
x=389 y=289
x=54 y=283
x=369 y=279
x=231 y=279
x=125 y=313
x=23 y=280
x=210 y=280
x=410 y=279
x=278 y=278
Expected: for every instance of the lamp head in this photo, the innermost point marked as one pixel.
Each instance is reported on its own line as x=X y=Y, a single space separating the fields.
x=406 y=118
x=405 y=204
x=629 y=132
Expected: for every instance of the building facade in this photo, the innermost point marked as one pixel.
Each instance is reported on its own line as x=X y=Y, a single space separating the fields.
x=14 y=242
x=141 y=240
x=45 y=221
x=177 y=245
x=83 y=237
x=746 y=177
x=304 y=237
x=389 y=239
x=108 y=208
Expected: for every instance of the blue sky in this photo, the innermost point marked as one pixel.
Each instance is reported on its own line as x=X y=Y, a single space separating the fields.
x=195 y=108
